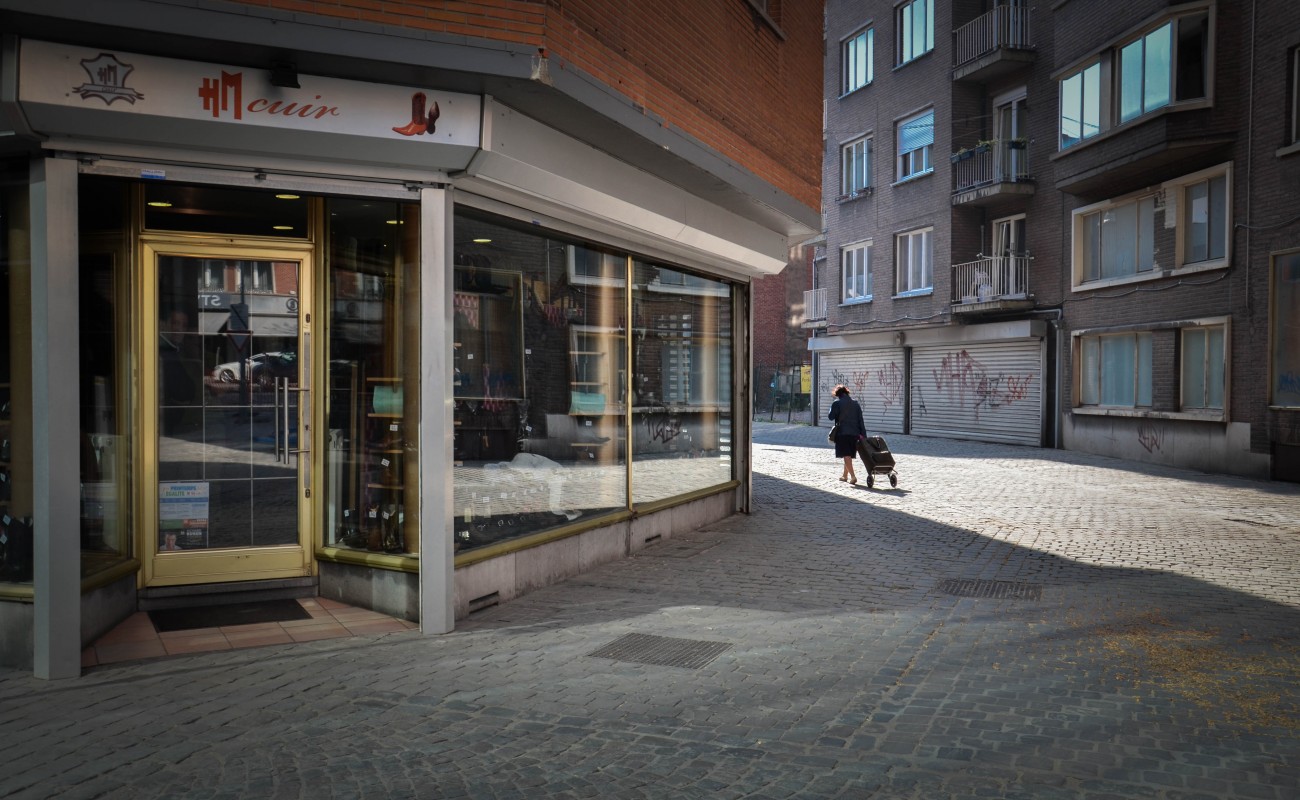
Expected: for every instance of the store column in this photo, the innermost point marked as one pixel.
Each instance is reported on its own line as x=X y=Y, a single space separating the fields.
x=55 y=398
x=437 y=566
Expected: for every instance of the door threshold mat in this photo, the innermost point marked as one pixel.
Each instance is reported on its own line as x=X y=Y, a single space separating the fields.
x=186 y=619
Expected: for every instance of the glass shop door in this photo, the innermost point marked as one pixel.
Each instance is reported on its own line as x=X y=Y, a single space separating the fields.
x=227 y=412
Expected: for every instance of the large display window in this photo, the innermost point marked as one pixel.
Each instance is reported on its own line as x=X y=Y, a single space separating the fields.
x=682 y=367
x=554 y=390
x=372 y=301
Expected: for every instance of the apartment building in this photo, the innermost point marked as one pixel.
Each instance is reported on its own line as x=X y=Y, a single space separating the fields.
x=1057 y=227
x=417 y=306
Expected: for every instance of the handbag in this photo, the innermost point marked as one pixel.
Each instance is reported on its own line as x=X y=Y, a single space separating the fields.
x=835 y=431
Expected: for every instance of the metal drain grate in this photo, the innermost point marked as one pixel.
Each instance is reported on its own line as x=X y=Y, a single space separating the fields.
x=664 y=651
x=998 y=590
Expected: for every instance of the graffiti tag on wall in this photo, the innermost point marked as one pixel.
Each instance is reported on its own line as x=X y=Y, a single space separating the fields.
x=890 y=381
x=1150 y=436
x=966 y=379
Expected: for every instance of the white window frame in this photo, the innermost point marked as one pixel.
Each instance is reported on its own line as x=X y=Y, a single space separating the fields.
x=910 y=277
x=854 y=182
x=1176 y=194
x=1090 y=384
x=906 y=40
x=855 y=273
x=916 y=161
x=1171 y=208
x=214 y=276
x=1192 y=207
x=1145 y=264
x=1213 y=365
x=858 y=72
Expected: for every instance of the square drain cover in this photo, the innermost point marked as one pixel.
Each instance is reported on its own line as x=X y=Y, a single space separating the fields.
x=999 y=590
x=664 y=651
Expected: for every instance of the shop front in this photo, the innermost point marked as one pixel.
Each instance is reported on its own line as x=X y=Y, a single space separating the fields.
x=336 y=339
x=978 y=382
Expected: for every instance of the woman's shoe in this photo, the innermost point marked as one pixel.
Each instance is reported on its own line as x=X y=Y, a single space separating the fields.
x=853 y=481
x=843 y=478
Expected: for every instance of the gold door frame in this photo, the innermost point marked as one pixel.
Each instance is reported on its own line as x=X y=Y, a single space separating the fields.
x=232 y=564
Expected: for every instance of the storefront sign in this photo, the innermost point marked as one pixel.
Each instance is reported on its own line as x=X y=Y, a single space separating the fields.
x=183 y=516
x=82 y=78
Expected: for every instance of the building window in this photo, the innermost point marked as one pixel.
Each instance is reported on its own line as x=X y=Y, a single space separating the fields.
x=855 y=268
x=1116 y=241
x=1144 y=73
x=1205 y=220
x=915 y=141
x=1165 y=65
x=915 y=26
x=254 y=276
x=1202 y=368
x=857 y=167
x=915 y=257
x=1190 y=216
x=1284 y=321
x=213 y=278
x=1081 y=105
x=1115 y=370
x=859 y=53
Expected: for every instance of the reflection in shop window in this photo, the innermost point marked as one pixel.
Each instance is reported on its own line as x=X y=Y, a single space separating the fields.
x=681 y=394
x=372 y=296
x=540 y=380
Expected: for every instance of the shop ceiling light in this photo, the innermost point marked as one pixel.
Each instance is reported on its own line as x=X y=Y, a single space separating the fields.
x=286 y=197
x=160 y=204
x=283 y=227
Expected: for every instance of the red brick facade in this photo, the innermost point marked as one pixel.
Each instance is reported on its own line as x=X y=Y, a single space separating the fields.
x=716 y=71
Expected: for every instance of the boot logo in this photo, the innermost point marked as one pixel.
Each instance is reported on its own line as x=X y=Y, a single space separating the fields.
x=107 y=80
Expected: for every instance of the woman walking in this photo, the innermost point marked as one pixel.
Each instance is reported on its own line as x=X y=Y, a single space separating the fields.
x=849 y=428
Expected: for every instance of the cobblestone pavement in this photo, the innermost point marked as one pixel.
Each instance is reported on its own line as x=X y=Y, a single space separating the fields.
x=1134 y=634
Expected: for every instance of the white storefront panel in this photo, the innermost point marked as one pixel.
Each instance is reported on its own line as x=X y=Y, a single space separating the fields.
x=984 y=391
x=877 y=380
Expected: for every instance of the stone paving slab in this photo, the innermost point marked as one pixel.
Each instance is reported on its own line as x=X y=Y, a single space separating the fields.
x=1158 y=656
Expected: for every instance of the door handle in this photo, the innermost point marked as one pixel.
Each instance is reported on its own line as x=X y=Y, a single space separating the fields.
x=305 y=414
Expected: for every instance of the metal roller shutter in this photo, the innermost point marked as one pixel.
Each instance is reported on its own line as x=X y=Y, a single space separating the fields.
x=988 y=392
x=875 y=379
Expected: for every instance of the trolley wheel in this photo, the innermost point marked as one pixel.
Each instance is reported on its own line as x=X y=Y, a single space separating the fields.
x=871 y=480
x=893 y=479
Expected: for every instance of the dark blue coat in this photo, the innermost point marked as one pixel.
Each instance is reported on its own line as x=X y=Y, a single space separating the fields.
x=846 y=413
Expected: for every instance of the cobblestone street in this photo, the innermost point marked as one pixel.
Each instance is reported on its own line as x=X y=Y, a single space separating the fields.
x=1007 y=623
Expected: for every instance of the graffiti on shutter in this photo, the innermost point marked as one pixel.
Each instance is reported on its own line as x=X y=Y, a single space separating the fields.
x=875 y=379
x=988 y=392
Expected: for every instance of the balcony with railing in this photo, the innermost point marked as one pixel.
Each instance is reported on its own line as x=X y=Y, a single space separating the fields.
x=814 y=308
x=990 y=171
x=992 y=45
x=992 y=283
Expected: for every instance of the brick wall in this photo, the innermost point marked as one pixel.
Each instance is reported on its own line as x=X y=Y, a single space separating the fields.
x=713 y=70
x=779 y=337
